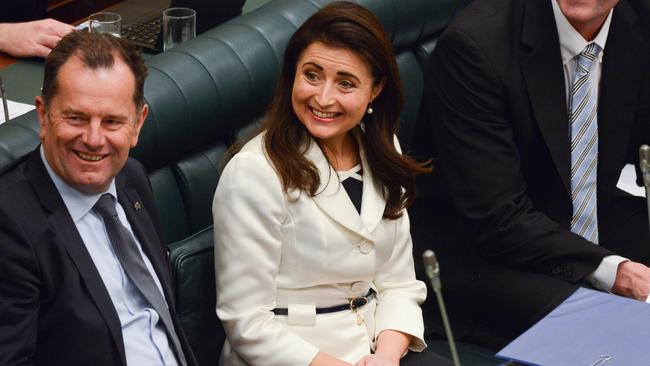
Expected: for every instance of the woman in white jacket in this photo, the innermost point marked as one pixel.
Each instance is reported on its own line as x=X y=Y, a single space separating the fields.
x=312 y=245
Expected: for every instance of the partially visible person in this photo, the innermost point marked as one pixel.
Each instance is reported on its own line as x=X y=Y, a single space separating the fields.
x=84 y=275
x=32 y=39
x=312 y=244
x=540 y=104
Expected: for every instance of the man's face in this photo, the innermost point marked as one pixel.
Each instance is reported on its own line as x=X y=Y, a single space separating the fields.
x=90 y=124
x=588 y=14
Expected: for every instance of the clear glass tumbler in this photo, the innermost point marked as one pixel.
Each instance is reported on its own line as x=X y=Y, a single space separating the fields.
x=179 y=25
x=105 y=22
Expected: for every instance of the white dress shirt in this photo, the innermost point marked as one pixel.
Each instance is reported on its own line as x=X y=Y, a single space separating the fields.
x=145 y=339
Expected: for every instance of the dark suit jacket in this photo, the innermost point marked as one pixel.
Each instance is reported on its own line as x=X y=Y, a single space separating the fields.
x=54 y=307
x=501 y=223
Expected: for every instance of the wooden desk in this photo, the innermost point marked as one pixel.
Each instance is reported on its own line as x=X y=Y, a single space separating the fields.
x=6 y=60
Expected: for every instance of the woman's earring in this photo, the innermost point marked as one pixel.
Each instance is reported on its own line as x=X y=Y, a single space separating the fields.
x=369 y=110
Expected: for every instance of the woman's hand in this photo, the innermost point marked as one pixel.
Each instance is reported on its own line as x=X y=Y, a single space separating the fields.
x=376 y=360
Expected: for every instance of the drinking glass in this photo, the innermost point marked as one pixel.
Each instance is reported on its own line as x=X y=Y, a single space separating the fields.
x=105 y=22
x=179 y=25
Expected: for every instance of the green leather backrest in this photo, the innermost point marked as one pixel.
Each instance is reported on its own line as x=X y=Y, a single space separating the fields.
x=193 y=264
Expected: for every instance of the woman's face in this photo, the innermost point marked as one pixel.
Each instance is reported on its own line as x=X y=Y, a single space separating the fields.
x=331 y=91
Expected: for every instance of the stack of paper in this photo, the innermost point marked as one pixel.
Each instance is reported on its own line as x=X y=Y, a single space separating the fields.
x=15 y=109
x=590 y=328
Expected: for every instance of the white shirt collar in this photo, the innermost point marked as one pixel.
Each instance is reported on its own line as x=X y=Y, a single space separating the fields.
x=571 y=42
x=77 y=202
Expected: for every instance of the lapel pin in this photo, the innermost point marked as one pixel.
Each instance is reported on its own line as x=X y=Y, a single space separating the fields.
x=137 y=205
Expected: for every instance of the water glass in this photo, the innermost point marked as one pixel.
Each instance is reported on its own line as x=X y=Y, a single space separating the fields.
x=179 y=25
x=105 y=22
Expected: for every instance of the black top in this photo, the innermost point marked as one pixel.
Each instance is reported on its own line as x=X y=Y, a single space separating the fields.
x=353 y=183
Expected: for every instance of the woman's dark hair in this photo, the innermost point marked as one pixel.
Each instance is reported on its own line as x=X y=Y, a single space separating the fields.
x=348 y=26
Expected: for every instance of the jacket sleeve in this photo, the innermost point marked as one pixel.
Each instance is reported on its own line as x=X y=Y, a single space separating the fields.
x=482 y=166
x=19 y=295
x=399 y=294
x=248 y=210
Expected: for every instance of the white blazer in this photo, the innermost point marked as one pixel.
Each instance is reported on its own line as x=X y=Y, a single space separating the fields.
x=298 y=252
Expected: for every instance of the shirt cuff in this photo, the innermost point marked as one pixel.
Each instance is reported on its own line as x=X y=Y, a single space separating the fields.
x=604 y=276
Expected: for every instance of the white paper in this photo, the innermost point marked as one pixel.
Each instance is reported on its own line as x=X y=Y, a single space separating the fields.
x=15 y=109
x=627 y=182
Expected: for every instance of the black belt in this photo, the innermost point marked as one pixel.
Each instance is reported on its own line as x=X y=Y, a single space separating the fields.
x=354 y=304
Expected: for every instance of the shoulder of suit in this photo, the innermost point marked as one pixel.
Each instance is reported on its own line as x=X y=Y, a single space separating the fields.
x=483 y=20
x=255 y=145
x=254 y=150
x=15 y=177
x=133 y=175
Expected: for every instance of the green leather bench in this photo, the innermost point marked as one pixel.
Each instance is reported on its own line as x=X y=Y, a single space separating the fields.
x=202 y=93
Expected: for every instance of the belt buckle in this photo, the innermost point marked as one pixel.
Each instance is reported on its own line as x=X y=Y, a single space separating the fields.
x=354 y=306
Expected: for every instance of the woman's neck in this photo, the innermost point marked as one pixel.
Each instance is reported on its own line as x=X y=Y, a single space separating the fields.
x=343 y=153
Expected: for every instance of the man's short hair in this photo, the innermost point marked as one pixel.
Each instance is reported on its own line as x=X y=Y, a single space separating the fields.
x=95 y=50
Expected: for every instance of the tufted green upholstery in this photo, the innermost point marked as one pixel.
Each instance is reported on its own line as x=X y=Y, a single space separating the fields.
x=202 y=93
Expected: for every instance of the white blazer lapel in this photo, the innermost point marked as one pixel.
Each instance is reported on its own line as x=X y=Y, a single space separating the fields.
x=331 y=197
x=373 y=202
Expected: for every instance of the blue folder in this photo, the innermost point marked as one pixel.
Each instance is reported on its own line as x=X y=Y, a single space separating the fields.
x=590 y=328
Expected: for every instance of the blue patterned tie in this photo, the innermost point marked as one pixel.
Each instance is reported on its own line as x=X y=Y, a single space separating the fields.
x=583 y=117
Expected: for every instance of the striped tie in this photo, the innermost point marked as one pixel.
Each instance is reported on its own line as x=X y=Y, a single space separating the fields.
x=584 y=146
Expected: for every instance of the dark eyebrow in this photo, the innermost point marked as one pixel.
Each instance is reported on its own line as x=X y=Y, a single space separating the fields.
x=348 y=74
x=340 y=73
x=319 y=67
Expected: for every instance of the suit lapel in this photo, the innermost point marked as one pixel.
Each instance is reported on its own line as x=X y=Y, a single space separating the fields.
x=144 y=230
x=619 y=90
x=65 y=230
x=544 y=77
x=372 y=202
x=331 y=197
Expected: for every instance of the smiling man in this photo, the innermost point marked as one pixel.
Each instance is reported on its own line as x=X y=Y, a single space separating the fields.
x=539 y=105
x=84 y=275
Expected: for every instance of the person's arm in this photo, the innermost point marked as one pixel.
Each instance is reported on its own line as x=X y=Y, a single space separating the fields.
x=482 y=163
x=249 y=209
x=398 y=317
x=31 y=39
x=19 y=295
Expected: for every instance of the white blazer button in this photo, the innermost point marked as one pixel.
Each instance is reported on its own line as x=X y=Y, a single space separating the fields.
x=365 y=247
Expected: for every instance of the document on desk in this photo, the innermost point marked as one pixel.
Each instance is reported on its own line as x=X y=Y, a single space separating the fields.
x=15 y=109
x=590 y=328
x=627 y=182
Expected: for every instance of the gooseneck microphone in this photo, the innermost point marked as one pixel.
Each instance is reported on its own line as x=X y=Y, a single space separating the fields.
x=432 y=270
x=644 y=165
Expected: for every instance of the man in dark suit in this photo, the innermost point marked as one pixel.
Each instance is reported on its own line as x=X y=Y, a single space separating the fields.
x=539 y=105
x=84 y=275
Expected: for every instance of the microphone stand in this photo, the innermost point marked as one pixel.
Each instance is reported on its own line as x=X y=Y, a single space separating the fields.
x=432 y=270
x=4 y=100
x=644 y=165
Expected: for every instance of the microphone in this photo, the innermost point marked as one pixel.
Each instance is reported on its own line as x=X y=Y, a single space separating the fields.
x=644 y=165
x=4 y=100
x=432 y=270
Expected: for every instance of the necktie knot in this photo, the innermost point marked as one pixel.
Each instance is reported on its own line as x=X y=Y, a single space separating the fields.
x=587 y=56
x=105 y=206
